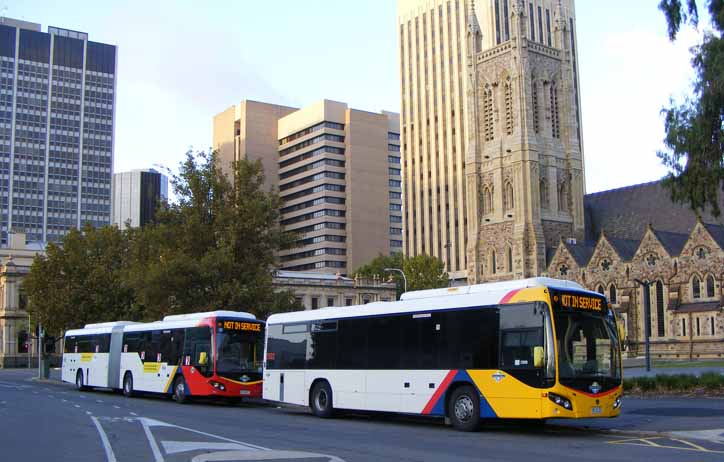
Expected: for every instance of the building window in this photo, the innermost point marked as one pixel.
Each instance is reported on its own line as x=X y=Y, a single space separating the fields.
x=710 y=286
x=700 y=253
x=683 y=327
x=563 y=196
x=23 y=341
x=548 y=27
x=509 y=107
x=488 y=124
x=612 y=295
x=487 y=200
x=563 y=270
x=509 y=259
x=508 y=199
x=712 y=326
x=660 y=315
x=493 y=263
x=330 y=301
x=696 y=288
x=348 y=301
x=606 y=264
x=543 y=193
x=532 y=23
x=555 y=115
x=315 y=303
x=698 y=327
x=536 y=109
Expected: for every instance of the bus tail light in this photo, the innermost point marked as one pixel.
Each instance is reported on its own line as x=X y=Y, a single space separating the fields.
x=561 y=401
x=217 y=385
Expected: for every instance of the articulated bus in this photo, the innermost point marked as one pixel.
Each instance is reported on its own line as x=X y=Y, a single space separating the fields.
x=529 y=349
x=217 y=353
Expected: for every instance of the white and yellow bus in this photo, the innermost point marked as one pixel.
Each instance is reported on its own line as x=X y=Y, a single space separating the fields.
x=217 y=353
x=531 y=349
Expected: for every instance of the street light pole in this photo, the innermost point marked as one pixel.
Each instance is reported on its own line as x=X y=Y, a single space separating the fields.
x=647 y=320
x=396 y=270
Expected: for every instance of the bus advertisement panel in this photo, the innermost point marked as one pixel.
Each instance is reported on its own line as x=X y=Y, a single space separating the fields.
x=486 y=351
x=202 y=354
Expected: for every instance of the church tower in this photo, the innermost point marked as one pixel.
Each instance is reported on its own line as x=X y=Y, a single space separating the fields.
x=524 y=160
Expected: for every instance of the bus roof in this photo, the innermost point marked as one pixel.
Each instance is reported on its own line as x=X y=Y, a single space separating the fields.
x=427 y=300
x=169 y=322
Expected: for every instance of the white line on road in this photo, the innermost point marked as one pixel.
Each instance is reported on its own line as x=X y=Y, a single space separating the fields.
x=133 y=413
x=116 y=407
x=89 y=412
x=77 y=405
x=110 y=456
x=152 y=441
x=99 y=401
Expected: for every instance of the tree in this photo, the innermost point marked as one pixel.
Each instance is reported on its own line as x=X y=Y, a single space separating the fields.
x=213 y=249
x=80 y=281
x=695 y=128
x=376 y=268
x=422 y=271
x=425 y=272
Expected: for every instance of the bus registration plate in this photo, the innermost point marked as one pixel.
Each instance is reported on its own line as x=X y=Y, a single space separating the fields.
x=596 y=410
x=244 y=392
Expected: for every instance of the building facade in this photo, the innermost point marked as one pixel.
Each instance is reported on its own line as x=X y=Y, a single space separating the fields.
x=17 y=346
x=337 y=171
x=57 y=105
x=136 y=196
x=490 y=115
x=638 y=233
x=317 y=290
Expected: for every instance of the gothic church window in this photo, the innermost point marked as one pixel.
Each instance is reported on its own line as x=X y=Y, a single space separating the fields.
x=487 y=200
x=493 y=263
x=555 y=115
x=605 y=265
x=710 y=286
x=543 y=193
x=701 y=253
x=563 y=270
x=508 y=199
x=488 y=125
x=600 y=290
x=612 y=295
x=536 y=109
x=695 y=287
x=509 y=259
x=563 y=196
x=508 y=106
x=651 y=260
x=660 y=316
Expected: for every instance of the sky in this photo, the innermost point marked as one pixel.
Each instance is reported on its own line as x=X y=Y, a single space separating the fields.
x=182 y=62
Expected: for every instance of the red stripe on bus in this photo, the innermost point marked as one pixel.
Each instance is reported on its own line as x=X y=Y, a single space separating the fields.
x=440 y=390
x=509 y=295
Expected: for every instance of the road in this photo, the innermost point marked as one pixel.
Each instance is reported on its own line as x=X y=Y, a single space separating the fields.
x=51 y=421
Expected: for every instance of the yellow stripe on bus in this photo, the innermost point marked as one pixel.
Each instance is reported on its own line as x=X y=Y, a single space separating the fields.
x=170 y=379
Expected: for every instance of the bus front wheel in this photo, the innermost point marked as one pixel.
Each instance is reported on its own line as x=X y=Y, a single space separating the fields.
x=321 y=402
x=128 y=385
x=464 y=409
x=179 y=390
x=79 y=381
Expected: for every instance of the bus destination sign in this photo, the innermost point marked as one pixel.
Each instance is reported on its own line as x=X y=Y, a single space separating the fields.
x=238 y=325
x=579 y=302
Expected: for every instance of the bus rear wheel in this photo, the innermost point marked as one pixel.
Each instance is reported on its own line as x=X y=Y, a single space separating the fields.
x=321 y=400
x=128 y=385
x=79 y=385
x=179 y=391
x=464 y=409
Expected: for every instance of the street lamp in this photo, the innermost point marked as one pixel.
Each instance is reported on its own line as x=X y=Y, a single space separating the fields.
x=396 y=270
x=647 y=320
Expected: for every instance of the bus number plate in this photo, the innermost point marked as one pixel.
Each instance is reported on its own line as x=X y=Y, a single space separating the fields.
x=244 y=392
x=596 y=410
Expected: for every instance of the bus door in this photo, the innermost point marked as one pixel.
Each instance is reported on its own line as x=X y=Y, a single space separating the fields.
x=114 y=357
x=514 y=390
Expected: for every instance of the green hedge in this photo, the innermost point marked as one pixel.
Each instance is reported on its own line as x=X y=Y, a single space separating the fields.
x=709 y=381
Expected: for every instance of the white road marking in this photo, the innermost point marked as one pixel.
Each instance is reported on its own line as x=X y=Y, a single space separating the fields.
x=63 y=400
x=710 y=435
x=133 y=413
x=110 y=456
x=116 y=407
x=152 y=441
x=174 y=447
x=99 y=401
x=77 y=405
x=265 y=455
x=89 y=412
x=158 y=423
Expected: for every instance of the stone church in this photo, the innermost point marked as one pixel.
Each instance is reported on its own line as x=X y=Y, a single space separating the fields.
x=528 y=214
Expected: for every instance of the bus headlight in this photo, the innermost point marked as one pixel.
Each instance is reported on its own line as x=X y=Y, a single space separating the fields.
x=561 y=401
x=617 y=403
x=217 y=385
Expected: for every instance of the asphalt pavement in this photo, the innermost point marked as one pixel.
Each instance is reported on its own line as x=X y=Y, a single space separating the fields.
x=51 y=421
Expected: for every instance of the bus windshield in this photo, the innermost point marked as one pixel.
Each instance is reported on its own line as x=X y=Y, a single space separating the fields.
x=238 y=351
x=588 y=349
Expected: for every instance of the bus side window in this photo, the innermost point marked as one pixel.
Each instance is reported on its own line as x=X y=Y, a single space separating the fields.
x=197 y=341
x=70 y=343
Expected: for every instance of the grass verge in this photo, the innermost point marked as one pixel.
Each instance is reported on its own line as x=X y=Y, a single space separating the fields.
x=707 y=383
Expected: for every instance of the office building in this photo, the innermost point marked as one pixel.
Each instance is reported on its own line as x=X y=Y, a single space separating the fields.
x=57 y=101
x=337 y=171
x=491 y=140
x=136 y=196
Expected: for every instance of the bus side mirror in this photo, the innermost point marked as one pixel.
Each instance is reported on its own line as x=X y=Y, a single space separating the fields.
x=202 y=359
x=538 y=357
x=621 y=334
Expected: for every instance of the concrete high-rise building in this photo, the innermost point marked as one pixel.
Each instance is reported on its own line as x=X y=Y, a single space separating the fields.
x=136 y=196
x=337 y=171
x=57 y=105
x=491 y=137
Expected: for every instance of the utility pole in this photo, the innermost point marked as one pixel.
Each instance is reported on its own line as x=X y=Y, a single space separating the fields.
x=646 y=285
x=396 y=270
